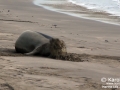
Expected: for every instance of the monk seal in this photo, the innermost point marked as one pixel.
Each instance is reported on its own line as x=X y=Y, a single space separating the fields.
x=36 y=43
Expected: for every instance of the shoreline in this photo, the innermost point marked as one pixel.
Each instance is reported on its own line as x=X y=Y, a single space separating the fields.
x=81 y=12
x=96 y=43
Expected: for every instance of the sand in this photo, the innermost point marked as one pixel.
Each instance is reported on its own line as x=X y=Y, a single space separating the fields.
x=96 y=43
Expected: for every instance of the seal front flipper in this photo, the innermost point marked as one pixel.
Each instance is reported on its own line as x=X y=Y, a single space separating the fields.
x=42 y=50
x=35 y=51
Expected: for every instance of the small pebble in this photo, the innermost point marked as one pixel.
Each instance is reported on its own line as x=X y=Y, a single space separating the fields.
x=106 y=40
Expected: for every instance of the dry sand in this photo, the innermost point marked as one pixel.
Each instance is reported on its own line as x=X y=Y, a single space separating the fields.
x=96 y=43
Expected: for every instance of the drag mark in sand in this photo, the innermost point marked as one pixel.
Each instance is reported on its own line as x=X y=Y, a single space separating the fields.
x=74 y=57
x=6 y=86
x=17 y=21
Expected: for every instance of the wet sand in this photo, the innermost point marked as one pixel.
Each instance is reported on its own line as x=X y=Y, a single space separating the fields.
x=96 y=43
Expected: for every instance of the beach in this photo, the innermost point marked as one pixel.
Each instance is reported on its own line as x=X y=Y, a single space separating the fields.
x=96 y=42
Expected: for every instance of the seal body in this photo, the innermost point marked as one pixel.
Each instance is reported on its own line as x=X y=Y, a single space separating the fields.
x=29 y=40
x=31 y=43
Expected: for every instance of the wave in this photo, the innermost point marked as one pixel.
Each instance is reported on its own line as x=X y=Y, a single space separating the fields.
x=109 y=6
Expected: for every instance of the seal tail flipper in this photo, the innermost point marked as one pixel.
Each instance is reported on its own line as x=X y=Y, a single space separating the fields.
x=35 y=51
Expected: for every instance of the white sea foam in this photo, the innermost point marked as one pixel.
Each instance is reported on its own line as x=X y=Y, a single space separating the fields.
x=110 y=6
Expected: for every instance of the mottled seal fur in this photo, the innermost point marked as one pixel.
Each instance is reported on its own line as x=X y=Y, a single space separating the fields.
x=31 y=43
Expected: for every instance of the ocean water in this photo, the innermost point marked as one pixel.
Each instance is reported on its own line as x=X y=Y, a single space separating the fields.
x=107 y=11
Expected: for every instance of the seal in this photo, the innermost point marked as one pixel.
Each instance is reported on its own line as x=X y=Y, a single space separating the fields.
x=36 y=43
